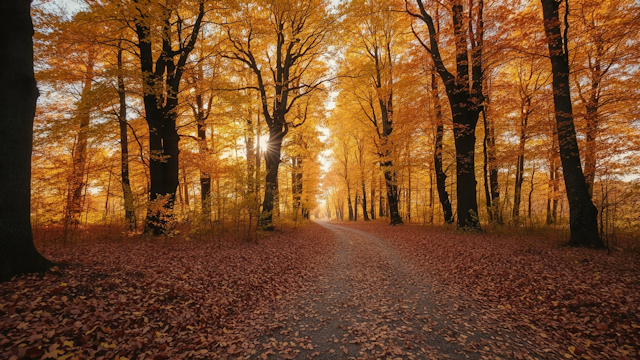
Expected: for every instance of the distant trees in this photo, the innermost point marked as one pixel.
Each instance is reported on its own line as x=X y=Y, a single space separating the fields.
x=281 y=44
x=18 y=96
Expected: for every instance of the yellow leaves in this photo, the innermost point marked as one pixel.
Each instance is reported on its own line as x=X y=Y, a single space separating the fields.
x=92 y=330
x=106 y=345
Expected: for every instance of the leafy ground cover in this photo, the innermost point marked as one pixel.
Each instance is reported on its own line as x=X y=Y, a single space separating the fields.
x=148 y=300
x=327 y=291
x=565 y=302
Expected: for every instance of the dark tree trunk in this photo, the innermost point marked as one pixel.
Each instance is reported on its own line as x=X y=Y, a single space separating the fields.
x=160 y=112
x=554 y=185
x=485 y=169
x=365 y=215
x=373 y=202
x=464 y=90
x=529 y=205
x=272 y=162
x=522 y=139
x=355 y=207
x=582 y=213
x=129 y=211
x=203 y=152
x=392 y=193
x=493 y=172
x=441 y=177
x=349 y=204
x=18 y=95
x=381 y=206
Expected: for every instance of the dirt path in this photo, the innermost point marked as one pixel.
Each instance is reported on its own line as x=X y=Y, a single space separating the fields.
x=372 y=304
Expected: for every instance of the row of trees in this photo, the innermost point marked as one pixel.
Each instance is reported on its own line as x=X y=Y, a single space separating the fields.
x=177 y=99
x=539 y=91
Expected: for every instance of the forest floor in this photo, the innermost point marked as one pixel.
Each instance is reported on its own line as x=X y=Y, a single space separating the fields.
x=327 y=290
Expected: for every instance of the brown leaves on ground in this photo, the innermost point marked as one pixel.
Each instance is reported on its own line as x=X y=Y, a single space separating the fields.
x=571 y=303
x=154 y=301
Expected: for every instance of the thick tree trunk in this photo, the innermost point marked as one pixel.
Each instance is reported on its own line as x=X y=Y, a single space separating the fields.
x=18 y=96
x=163 y=74
x=272 y=162
x=582 y=213
x=392 y=193
x=129 y=211
x=465 y=140
x=464 y=90
x=441 y=176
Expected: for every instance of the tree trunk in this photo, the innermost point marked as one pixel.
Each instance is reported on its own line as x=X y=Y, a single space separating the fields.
x=583 y=214
x=441 y=176
x=296 y=183
x=465 y=140
x=349 y=203
x=129 y=211
x=529 y=209
x=517 y=193
x=161 y=112
x=485 y=169
x=392 y=193
x=355 y=207
x=373 y=201
x=79 y=161
x=18 y=96
x=272 y=162
x=493 y=172
x=364 y=201
x=408 y=184
x=203 y=152
x=381 y=206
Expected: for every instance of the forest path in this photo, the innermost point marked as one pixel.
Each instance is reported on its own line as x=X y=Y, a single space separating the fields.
x=370 y=303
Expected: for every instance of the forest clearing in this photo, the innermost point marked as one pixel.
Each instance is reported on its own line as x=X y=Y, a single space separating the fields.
x=280 y=179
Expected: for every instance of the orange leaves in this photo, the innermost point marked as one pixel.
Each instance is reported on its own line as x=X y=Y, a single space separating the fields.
x=195 y=300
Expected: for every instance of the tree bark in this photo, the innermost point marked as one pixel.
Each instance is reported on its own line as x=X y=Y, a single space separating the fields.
x=161 y=112
x=18 y=96
x=583 y=214
x=441 y=176
x=365 y=215
x=372 y=210
x=464 y=90
x=129 y=211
